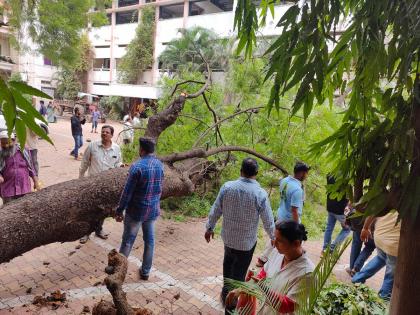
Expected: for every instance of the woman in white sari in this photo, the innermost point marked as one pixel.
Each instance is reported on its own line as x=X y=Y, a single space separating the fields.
x=288 y=270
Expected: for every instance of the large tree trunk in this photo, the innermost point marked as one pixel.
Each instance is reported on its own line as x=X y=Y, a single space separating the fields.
x=65 y=212
x=405 y=294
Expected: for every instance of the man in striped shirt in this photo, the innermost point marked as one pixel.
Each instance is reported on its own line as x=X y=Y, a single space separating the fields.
x=241 y=203
x=141 y=202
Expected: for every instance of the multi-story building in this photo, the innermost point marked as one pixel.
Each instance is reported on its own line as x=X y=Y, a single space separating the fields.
x=110 y=41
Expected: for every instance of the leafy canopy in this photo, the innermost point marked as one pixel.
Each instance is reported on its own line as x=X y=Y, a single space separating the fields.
x=374 y=64
x=139 y=55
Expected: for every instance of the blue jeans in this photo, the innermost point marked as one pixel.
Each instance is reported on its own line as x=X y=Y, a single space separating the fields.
x=78 y=143
x=377 y=263
x=131 y=229
x=345 y=230
x=358 y=256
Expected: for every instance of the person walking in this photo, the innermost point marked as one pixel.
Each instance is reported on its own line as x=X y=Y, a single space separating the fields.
x=128 y=131
x=242 y=203
x=387 y=238
x=77 y=132
x=100 y=156
x=15 y=169
x=51 y=118
x=42 y=108
x=96 y=115
x=292 y=197
x=141 y=201
x=335 y=209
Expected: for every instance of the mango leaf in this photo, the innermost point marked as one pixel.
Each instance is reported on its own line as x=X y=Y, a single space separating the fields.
x=27 y=89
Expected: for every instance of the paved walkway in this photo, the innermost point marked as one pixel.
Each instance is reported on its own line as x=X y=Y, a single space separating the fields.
x=187 y=271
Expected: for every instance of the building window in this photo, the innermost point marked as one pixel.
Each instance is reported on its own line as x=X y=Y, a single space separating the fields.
x=199 y=7
x=103 y=46
x=101 y=64
x=100 y=83
x=171 y=11
x=127 y=17
x=123 y=45
x=125 y=3
x=47 y=62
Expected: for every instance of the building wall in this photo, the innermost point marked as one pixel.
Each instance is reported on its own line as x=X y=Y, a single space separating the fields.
x=110 y=42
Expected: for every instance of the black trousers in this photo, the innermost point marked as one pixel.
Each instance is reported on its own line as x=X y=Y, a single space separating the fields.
x=235 y=266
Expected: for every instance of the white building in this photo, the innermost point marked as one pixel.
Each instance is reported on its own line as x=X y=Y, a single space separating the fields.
x=110 y=41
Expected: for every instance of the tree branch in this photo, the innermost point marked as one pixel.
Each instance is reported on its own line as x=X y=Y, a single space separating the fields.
x=201 y=153
x=252 y=109
x=215 y=118
x=184 y=82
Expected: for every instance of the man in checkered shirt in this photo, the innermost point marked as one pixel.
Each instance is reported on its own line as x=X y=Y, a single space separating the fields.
x=241 y=203
x=141 y=201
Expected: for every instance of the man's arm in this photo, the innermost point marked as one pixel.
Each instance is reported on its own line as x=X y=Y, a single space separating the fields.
x=118 y=160
x=365 y=234
x=85 y=161
x=215 y=212
x=296 y=203
x=267 y=218
x=133 y=176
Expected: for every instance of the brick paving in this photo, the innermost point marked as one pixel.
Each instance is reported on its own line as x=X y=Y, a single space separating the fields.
x=186 y=278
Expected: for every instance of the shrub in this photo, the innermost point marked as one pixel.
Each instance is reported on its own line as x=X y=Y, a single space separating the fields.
x=349 y=299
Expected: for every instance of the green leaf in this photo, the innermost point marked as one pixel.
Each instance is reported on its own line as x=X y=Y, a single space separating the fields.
x=27 y=89
x=20 y=129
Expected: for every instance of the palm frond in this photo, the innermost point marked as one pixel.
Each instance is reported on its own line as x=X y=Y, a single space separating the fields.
x=312 y=288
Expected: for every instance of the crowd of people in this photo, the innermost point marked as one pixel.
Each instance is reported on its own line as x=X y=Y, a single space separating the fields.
x=241 y=203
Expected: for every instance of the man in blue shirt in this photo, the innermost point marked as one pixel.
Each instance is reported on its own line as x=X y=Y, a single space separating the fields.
x=292 y=197
x=292 y=194
x=141 y=201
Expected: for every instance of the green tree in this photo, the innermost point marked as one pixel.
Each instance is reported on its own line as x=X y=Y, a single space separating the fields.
x=195 y=47
x=68 y=84
x=374 y=64
x=55 y=26
x=139 y=55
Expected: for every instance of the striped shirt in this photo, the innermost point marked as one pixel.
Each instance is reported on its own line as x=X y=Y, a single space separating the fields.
x=241 y=202
x=141 y=194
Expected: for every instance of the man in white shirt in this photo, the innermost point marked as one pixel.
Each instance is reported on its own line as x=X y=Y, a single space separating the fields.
x=32 y=147
x=100 y=156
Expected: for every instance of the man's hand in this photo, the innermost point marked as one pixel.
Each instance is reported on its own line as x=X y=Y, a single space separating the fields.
x=37 y=186
x=209 y=235
x=119 y=217
x=365 y=234
x=1 y=179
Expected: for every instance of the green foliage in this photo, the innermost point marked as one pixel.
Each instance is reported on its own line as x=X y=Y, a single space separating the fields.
x=55 y=26
x=349 y=299
x=375 y=64
x=193 y=49
x=18 y=112
x=68 y=84
x=113 y=106
x=139 y=55
x=16 y=77
x=190 y=206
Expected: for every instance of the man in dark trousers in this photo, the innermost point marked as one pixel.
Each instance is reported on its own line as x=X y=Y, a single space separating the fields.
x=77 y=132
x=242 y=203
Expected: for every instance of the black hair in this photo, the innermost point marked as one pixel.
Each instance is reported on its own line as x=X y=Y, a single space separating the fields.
x=109 y=127
x=41 y=101
x=301 y=167
x=249 y=167
x=147 y=144
x=76 y=110
x=292 y=231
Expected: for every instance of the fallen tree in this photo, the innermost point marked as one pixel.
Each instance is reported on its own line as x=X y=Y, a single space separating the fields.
x=66 y=211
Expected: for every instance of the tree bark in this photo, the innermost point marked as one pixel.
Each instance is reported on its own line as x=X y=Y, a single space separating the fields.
x=405 y=294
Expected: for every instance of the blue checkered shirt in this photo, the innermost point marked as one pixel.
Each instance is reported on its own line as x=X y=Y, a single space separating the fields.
x=141 y=194
x=241 y=202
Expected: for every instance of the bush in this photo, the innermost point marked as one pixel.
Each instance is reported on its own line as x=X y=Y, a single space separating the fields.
x=349 y=299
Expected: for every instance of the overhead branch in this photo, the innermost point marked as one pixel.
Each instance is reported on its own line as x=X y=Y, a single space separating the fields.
x=205 y=133
x=195 y=118
x=215 y=118
x=205 y=86
x=184 y=82
x=202 y=153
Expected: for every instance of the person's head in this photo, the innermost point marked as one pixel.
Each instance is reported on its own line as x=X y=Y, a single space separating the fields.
x=301 y=171
x=6 y=142
x=127 y=118
x=41 y=102
x=147 y=146
x=289 y=237
x=77 y=111
x=107 y=132
x=249 y=168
